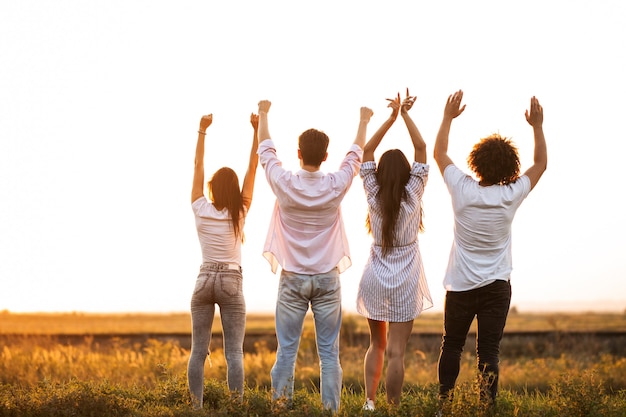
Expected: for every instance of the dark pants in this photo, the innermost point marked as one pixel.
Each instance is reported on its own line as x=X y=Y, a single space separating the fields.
x=490 y=305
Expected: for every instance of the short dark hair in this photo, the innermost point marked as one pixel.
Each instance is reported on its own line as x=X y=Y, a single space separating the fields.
x=495 y=160
x=313 y=145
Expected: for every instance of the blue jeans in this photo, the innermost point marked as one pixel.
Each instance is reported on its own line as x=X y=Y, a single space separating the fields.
x=295 y=293
x=490 y=305
x=216 y=284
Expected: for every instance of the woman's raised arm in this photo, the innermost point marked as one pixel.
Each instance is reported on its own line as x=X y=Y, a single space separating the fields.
x=197 y=189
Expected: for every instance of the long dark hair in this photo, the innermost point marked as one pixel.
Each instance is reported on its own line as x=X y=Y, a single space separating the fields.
x=392 y=175
x=224 y=192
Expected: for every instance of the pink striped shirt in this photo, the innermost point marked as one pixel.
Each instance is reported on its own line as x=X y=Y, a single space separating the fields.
x=306 y=233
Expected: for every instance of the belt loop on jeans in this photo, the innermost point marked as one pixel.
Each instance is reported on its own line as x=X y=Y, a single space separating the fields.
x=222 y=265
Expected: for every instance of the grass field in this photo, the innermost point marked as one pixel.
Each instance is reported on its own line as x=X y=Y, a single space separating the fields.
x=552 y=365
x=84 y=323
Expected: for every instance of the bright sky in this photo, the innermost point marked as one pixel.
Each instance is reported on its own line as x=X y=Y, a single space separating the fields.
x=100 y=104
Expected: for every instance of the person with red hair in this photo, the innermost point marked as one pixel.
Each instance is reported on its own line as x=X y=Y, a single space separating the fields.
x=219 y=223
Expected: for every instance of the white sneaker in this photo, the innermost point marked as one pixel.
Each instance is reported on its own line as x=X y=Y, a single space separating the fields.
x=369 y=405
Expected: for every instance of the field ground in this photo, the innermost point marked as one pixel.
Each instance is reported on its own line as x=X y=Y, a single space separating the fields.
x=135 y=365
x=180 y=323
x=534 y=335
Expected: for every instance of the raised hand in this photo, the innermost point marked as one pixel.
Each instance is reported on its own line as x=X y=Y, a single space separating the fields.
x=264 y=106
x=394 y=104
x=408 y=101
x=264 y=131
x=254 y=121
x=453 y=105
x=535 y=116
x=206 y=121
x=366 y=114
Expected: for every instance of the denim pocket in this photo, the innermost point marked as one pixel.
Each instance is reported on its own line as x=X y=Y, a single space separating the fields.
x=231 y=284
x=200 y=283
x=329 y=283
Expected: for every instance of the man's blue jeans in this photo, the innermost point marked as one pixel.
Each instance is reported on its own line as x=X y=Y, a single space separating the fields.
x=490 y=305
x=296 y=293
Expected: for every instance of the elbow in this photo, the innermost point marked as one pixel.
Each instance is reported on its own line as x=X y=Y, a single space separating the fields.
x=368 y=149
x=542 y=163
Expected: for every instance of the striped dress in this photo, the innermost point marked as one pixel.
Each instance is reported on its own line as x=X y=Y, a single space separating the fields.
x=394 y=288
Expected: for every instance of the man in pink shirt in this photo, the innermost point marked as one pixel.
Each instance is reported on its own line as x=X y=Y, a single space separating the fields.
x=307 y=239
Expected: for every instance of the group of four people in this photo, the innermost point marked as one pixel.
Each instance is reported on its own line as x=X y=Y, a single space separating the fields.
x=307 y=239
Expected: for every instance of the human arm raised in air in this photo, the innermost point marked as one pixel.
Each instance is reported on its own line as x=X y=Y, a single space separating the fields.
x=197 y=189
x=248 y=181
x=419 y=145
x=534 y=117
x=377 y=137
x=452 y=110
x=365 y=116
x=264 y=131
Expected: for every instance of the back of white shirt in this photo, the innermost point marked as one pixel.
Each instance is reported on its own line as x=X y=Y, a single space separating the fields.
x=481 y=249
x=215 y=232
x=306 y=233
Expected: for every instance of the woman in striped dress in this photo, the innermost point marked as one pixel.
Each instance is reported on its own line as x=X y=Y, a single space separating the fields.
x=393 y=288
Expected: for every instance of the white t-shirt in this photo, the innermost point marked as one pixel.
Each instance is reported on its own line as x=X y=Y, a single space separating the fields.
x=215 y=232
x=481 y=249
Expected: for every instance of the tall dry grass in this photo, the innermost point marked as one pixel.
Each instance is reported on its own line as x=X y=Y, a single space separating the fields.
x=43 y=376
x=27 y=361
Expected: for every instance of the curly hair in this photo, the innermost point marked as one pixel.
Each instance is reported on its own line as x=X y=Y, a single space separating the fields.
x=224 y=192
x=495 y=160
x=392 y=175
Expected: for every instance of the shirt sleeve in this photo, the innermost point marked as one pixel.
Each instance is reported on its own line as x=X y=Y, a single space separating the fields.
x=267 y=154
x=271 y=164
x=452 y=175
x=352 y=162
x=524 y=181
x=368 y=175
x=199 y=206
x=418 y=178
x=349 y=168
